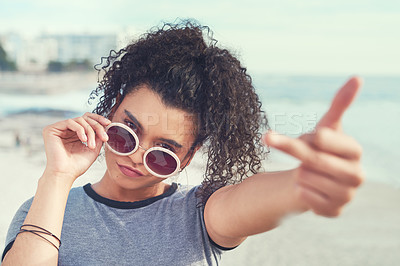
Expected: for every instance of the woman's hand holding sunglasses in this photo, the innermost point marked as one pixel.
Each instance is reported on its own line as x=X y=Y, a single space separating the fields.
x=330 y=169
x=73 y=145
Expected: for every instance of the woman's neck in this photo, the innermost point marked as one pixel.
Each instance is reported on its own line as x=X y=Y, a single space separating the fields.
x=110 y=189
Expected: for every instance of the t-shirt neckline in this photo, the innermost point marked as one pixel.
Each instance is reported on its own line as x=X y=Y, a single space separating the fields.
x=124 y=204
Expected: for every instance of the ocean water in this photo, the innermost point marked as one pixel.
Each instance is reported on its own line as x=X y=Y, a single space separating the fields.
x=74 y=101
x=294 y=105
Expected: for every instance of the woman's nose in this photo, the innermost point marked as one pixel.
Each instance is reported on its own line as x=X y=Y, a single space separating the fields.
x=137 y=156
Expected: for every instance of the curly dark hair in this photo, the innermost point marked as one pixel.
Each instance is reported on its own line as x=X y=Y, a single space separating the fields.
x=176 y=62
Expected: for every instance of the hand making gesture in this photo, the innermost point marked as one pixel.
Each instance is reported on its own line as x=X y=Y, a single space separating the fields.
x=330 y=168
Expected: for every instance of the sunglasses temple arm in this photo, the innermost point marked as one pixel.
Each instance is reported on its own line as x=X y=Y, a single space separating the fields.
x=190 y=154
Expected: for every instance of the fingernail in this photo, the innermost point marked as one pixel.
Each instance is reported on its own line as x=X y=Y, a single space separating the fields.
x=105 y=136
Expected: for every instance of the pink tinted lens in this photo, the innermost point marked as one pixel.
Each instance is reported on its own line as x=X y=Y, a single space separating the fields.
x=161 y=162
x=120 y=139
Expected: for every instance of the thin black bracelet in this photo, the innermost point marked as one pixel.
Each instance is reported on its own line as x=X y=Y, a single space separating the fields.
x=34 y=232
x=41 y=228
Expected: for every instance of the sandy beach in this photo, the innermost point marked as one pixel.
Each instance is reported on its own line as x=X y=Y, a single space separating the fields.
x=367 y=233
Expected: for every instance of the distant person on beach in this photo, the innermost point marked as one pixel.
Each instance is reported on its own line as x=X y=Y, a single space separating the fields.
x=162 y=99
x=17 y=139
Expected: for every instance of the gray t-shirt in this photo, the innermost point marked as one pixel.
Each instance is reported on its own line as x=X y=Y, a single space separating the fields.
x=165 y=230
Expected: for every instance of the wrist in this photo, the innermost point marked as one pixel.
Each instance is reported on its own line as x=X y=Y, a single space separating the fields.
x=56 y=179
x=299 y=205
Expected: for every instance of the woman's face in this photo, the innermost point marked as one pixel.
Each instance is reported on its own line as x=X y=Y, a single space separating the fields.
x=156 y=125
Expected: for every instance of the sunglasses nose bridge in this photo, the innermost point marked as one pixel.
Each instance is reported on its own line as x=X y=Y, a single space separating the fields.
x=144 y=149
x=138 y=156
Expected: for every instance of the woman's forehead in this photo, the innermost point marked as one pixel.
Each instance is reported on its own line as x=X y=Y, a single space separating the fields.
x=148 y=109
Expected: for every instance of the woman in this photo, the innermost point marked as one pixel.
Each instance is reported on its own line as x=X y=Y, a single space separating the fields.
x=162 y=98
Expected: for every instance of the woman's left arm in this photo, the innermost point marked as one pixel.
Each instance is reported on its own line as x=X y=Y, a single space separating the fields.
x=329 y=173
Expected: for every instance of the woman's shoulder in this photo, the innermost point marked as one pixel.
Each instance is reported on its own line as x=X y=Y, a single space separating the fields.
x=74 y=192
x=79 y=195
x=78 y=190
x=186 y=194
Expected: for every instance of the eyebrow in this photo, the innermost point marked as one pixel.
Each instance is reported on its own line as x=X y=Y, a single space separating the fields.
x=172 y=142
x=133 y=118
x=169 y=141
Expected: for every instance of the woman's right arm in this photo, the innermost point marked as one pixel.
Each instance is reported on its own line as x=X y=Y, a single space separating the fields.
x=67 y=159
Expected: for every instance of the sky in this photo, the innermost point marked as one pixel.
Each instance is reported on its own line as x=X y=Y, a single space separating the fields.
x=289 y=37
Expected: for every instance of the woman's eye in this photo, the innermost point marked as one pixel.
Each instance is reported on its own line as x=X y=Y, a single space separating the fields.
x=166 y=146
x=131 y=125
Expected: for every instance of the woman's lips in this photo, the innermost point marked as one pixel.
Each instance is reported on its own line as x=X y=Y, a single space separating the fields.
x=129 y=171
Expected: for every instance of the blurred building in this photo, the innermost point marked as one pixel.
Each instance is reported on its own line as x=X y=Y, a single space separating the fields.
x=34 y=53
x=81 y=47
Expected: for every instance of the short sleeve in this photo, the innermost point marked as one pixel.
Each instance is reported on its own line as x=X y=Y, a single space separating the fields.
x=219 y=249
x=16 y=223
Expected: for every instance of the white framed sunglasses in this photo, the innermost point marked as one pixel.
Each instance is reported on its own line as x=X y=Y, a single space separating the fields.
x=159 y=161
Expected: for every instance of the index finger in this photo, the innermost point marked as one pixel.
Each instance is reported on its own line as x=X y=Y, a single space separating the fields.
x=99 y=118
x=342 y=100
